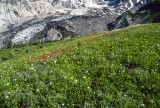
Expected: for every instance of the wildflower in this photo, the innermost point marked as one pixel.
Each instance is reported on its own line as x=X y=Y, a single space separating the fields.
x=76 y=81
x=88 y=87
x=28 y=103
x=8 y=92
x=62 y=104
x=65 y=77
x=32 y=68
x=6 y=97
x=86 y=71
x=151 y=101
x=50 y=83
x=31 y=102
x=71 y=77
x=37 y=90
x=7 y=84
x=125 y=95
x=5 y=94
x=142 y=105
x=85 y=104
x=107 y=103
x=20 y=92
x=84 y=77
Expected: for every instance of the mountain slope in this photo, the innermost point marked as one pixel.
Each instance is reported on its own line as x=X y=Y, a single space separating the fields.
x=25 y=20
x=148 y=13
x=14 y=12
x=110 y=69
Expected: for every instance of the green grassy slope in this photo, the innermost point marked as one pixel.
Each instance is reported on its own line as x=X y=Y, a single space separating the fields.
x=112 y=69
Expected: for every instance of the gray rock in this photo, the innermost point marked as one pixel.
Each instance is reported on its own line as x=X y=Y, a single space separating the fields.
x=53 y=34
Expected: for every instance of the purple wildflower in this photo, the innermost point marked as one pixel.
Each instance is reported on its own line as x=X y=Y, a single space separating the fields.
x=20 y=92
x=107 y=103
x=28 y=103
x=85 y=104
x=5 y=94
x=31 y=102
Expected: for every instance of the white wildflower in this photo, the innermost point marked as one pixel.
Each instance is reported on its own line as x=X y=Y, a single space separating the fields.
x=151 y=101
x=84 y=76
x=32 y=68
x=50 y=83
x=142 y=105
x=76 y=81
x=7 y=84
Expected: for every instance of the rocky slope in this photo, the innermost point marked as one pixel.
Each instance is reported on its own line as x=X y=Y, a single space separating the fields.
x=23 y=20
x=145 y=13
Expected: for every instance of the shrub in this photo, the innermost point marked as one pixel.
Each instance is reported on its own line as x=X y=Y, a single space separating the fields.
x=26 y=50
x=11 y=55
x=9 y=44
x=4 y=58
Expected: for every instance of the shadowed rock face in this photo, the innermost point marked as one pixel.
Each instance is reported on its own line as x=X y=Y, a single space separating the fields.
x=143 y=13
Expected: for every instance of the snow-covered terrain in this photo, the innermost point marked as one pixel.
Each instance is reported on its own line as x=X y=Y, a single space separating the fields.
x=15 y=12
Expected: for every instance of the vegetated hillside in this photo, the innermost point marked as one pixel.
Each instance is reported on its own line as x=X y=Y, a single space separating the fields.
x=111 y=69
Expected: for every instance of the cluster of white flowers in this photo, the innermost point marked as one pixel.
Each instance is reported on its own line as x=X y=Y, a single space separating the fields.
x=76 y=81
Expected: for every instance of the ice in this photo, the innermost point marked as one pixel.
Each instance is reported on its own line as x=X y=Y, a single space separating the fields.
x=26 y=34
